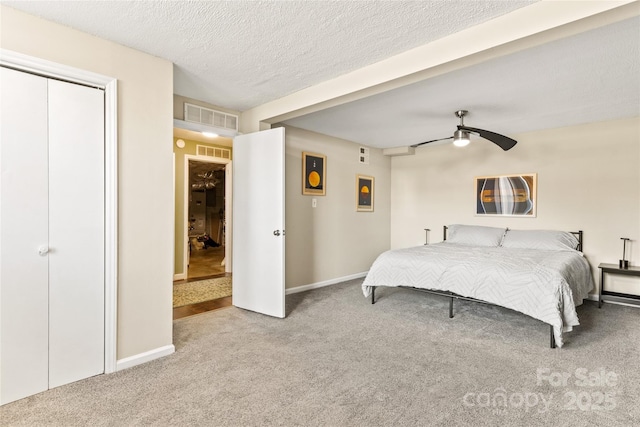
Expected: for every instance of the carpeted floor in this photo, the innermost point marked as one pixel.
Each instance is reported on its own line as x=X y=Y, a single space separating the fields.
x=337 y=360
x=201 y=290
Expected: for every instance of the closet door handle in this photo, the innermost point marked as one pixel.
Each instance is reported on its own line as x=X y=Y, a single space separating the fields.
x=43 y=250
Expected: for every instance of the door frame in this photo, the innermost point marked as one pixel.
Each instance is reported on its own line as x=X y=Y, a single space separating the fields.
x=49 y=69
x=227 y=207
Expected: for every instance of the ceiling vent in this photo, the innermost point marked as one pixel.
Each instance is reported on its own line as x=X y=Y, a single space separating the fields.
x=205 y=150
x=206 y=116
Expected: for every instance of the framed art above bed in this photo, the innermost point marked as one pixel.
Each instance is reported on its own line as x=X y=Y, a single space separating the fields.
x=506 y=195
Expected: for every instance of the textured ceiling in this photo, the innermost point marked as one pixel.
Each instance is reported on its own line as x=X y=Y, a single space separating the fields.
x=590 y=77
x=240 y=54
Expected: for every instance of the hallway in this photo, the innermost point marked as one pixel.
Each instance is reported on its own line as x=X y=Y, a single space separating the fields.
x=205 y=262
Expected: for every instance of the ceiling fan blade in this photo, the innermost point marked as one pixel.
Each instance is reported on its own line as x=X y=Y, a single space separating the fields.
x=433 y=140
x=501 y=141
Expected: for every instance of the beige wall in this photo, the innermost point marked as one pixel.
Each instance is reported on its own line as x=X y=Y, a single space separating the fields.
x=332 y=240
x=588 y=179
x=145 y=106
x=180 y=239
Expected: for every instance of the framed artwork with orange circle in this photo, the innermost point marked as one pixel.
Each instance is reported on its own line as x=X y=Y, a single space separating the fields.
x=314 y=171
x=364 y=193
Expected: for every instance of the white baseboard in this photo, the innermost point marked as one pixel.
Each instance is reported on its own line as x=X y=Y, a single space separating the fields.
x=145 y=357
x=324 y=283
x=181 y=276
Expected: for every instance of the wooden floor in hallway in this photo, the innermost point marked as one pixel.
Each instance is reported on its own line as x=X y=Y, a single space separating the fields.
x=201 y=307
x=204 y=264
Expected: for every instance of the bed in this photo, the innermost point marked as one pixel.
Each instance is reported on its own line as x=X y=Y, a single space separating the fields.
x=541 y=273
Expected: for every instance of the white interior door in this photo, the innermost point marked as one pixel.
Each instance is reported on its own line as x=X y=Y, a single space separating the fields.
x=51 y=234
x=76 y=232
x=24 y=304
x=258 y=222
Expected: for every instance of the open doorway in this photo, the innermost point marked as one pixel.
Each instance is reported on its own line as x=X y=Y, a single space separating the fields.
x=203 y=192
x=206 y=218
x=207 y=284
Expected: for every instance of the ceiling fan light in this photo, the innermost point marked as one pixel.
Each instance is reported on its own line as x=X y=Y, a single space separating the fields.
x=461 y=138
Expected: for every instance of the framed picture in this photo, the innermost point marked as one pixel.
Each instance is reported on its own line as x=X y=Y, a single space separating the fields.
x=364 y=193
x=314 y=171
x=506 y=195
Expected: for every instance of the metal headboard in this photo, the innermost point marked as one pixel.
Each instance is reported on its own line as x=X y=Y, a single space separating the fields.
x=578 y=234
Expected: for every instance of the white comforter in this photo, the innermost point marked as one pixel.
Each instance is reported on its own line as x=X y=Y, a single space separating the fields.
x=546 y=285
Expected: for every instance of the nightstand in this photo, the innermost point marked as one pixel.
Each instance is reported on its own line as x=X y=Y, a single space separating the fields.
x=615 y=269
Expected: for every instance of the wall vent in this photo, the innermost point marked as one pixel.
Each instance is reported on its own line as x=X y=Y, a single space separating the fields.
x=363 y=155
x=221 y=153
x=206 y=116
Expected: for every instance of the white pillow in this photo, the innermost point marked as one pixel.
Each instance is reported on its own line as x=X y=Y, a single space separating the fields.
x=475 y=235
x=540 y=239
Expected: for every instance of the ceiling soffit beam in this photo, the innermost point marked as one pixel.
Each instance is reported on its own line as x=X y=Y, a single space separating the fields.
x=524 y=28
x=199 y=127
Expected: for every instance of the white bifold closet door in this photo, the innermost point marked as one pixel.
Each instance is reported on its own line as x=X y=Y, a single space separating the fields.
x=51 y=234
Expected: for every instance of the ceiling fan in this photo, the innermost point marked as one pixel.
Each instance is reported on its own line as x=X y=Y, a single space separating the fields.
x=461 y=136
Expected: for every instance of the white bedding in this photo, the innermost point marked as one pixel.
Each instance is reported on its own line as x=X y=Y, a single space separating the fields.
x=544 y=284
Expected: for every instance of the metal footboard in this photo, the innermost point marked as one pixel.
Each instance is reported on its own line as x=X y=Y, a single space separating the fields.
x=451 y=296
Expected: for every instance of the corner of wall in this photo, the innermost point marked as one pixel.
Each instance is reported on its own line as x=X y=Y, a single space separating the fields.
x=333 y=240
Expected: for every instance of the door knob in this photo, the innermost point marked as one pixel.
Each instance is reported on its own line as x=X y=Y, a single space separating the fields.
x=276 y=233
x=43 y=250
